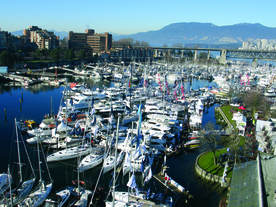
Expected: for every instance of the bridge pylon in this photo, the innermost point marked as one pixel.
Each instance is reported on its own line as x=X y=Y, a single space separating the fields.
x=255 y=63
x=223 y=56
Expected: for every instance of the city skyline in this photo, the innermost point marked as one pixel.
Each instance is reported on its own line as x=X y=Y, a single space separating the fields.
x=130 y=17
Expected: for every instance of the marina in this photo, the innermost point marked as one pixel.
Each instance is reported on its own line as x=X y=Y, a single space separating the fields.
x=173 y=102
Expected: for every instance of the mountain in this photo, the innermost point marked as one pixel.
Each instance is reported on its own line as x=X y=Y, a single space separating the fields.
x=60 y=34
x=203 y=33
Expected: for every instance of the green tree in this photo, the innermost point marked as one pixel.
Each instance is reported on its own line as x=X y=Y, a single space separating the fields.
x=5 y=58
x=71 y=54
x=82 y=54
x=54 y=54
x=38 y=54
x=202 y=55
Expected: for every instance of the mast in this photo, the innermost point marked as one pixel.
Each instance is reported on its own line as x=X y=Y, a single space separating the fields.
x=18 y=151
x=10 y=185
x=66 y=114
x=115 y=161
x=39 y=163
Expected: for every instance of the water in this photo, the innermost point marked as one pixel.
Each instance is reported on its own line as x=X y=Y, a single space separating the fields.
x=36 y=102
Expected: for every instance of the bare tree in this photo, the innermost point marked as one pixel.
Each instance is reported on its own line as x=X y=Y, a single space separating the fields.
x=210 y=139
x=256 y=101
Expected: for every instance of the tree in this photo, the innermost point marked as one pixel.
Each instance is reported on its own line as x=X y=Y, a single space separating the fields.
x=38 y=54
x=210 y=139
x=71 y=54
x=55 y=54
x=256 y=101
x=5 y=58
x=82 y=54
x=203 y=55
x=165 y=45
x=177 y=45
x=137 y=43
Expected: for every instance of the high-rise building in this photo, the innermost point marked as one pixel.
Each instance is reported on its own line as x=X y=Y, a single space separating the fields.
x=264 y=43
x=42 y=38
x=90 y=41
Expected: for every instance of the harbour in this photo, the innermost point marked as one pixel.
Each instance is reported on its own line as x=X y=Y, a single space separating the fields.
x=34 y=102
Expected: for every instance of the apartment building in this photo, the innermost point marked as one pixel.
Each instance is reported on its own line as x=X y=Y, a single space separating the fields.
x=9 y=41
x=90 y=41
x=42 y=38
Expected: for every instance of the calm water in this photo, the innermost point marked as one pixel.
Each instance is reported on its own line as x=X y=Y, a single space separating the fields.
x=36 y=102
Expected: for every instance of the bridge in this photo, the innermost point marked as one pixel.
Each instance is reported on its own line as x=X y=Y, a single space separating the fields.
x=224 y=53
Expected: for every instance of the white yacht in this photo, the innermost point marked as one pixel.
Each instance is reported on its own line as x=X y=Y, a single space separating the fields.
x=94 y=158
x=69 y=153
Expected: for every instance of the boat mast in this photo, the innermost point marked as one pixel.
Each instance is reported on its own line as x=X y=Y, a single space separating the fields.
x=115 y=161
x=39 y=163
x=18 y=151
x=10 y=185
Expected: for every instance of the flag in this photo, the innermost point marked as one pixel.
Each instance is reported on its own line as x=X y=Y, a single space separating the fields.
x=137 y=153
x=127 y=161
x=77 y=124
x=132 y=184
x=142 y=81
x=92 y=111
x=71 y=102
x=129 y=83
x=143 y=148
x=135 y=139
x=92 y=101
x=139 y=109
x=149 y=176
x=148 y=194
x=142 y=166
x=95 y=130
x=111 y=119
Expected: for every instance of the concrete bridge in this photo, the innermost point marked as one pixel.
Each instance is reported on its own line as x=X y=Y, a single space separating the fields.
x=224 y=53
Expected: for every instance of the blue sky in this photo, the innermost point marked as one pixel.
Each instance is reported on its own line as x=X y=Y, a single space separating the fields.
x=130 y=16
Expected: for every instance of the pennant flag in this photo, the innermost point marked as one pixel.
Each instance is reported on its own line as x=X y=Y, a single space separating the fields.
x=127 y=161
x=135 y=139
x=149 y=176
x=142 y=80
x=132 y=184
x=95 y=130
x=77 y=124
x=129 y=83
x=92 y=111
x=143 y=148
x=92 y=101
x=142 y=166
x=139 y=109
x=137 y=153
x=148 y=194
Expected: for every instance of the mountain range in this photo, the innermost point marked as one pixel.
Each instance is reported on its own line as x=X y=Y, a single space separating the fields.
x=197 y=33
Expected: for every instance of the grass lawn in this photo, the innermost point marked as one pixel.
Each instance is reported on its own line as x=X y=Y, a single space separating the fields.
x=206 y=162
x=226 y=110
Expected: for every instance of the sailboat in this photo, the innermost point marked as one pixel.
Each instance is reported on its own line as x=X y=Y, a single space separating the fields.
x=42 y=191
x=59 y=198
x=4 y=182
x=24 y=187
